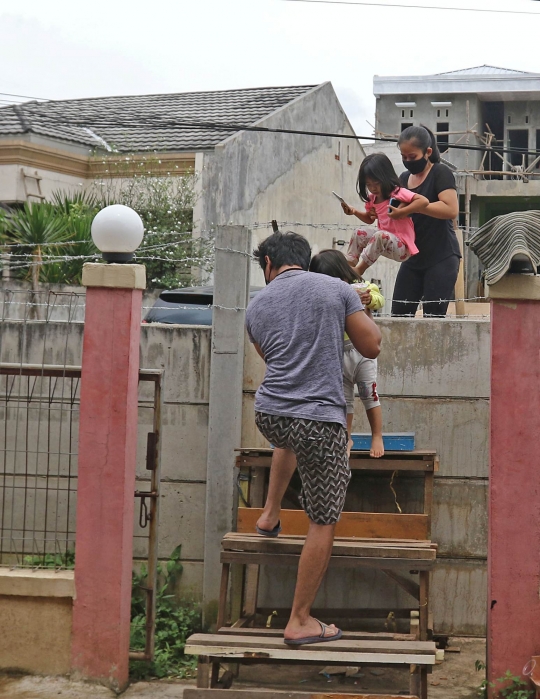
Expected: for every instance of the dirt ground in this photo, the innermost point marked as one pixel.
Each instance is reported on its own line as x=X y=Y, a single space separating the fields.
x=455 y=678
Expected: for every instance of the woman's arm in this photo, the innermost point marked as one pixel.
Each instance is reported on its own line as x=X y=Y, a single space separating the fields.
x=417 y=204
x=446 y=208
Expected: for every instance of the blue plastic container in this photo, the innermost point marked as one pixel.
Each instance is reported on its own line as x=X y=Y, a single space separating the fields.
x=393 y=441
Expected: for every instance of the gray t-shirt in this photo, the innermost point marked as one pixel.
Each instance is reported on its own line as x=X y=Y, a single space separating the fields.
x=298 y=321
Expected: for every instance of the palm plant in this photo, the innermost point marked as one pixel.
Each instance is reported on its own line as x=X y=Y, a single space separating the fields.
x=34 y=227
x=82 y=246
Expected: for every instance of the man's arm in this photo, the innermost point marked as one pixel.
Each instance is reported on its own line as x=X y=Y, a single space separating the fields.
x=364 y=334
x=259 y=351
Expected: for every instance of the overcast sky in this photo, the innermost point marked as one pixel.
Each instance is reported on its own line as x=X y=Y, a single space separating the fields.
x=60 y=49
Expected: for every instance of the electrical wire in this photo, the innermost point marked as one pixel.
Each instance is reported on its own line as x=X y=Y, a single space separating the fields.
x=417 y=7
x=26 y=97
x=141 y=122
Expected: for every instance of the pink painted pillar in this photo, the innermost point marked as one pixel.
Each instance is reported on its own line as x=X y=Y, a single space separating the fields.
x=106 y=481
x=514 y=506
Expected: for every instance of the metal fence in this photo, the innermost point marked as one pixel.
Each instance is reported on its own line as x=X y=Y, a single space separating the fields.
x=39 y=425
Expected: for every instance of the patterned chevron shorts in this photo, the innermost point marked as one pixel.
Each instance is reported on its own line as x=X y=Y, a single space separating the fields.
x=321 y=456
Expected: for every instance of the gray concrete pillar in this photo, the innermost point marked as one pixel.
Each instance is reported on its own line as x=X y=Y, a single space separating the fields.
x=231 y=293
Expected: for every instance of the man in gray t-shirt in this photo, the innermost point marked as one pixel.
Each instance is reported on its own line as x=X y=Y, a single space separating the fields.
x=297 y=325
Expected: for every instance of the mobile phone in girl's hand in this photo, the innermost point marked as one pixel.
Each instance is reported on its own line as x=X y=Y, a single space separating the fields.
x=339 y=198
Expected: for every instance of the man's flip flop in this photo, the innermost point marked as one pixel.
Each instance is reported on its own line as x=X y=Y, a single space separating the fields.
x=270 y=533
x=314 y=639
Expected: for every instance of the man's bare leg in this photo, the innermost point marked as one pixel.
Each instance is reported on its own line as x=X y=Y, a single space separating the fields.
x=311 y=569
x=281 y=471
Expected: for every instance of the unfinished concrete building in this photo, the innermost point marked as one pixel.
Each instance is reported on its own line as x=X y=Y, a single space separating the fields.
x=482 y=106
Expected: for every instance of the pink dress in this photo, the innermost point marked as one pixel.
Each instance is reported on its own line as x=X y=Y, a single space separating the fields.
x=393 y=239
x=403 y=229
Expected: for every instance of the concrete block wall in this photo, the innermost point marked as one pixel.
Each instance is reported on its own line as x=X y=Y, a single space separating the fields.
x=183 y=353
x=434 y=381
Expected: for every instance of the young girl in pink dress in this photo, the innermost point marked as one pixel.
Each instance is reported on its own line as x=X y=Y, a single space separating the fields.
x=377 y=184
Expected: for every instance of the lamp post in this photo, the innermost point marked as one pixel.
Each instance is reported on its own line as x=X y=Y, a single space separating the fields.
x=117 y=231
x=107 y=450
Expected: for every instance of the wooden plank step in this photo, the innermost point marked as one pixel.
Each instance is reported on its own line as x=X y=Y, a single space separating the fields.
x=329 y=615
x=345 y=645
x=290 y=559
x=347 y=635
x=365 y=541
x=345 y=652
x=357 y=462
x=321 y=656
x=416 y=454
x=192 y=693
x=372 y=525
x=259 y=544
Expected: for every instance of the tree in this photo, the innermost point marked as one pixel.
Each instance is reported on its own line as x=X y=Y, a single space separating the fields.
x=36 y=227
x=165 y=202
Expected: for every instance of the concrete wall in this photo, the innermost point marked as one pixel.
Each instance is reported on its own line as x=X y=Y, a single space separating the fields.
x=389 y=119
x=183 y=353
x=256 y=177
x=35 y=616
x=434 y=381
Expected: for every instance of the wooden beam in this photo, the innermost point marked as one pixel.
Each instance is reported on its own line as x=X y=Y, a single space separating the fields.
x=371 y=548
x=252 y=644
x=356 y=462
x=227 y=654
x=286 y=559
x=352 y=524
x=190 y=693
x=405 y=583
x=347 y=635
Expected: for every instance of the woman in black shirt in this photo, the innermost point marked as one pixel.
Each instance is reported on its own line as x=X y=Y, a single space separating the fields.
x=429 y=276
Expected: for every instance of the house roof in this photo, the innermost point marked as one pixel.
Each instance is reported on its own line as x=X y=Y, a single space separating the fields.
x=487 y=82
x=147 y=122
x=486 y=70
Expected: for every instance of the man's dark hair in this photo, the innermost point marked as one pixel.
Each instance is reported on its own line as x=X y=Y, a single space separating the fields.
x=284 y=249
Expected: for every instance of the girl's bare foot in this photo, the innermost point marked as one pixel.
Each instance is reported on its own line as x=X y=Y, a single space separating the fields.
x=377 y=446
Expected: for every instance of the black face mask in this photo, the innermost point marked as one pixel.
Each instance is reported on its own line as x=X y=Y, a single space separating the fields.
x=415 y=167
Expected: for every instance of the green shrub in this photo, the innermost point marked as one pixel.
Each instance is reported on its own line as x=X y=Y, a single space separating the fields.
x=175 y=621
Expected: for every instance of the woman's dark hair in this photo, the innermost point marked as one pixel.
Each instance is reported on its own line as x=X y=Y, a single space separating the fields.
x=284 y=249
x=423 y=138
x=333 y=264
x=377 y=167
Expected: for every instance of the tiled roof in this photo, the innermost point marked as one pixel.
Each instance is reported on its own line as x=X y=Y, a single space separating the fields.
x=487 y=70
x=147 y=122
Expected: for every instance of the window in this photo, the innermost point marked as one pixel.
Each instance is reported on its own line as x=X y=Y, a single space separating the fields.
x=405 y=126
x=403 y=114
x=338 y=153
x=411 y=113
x=442 y=138
x=527 y=119
x=509 y=119
x=438 y=113
x=537 y=148
x=349 y=161
x=518 y=139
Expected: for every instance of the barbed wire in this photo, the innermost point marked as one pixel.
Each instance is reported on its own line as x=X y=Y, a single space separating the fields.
x=193 y=307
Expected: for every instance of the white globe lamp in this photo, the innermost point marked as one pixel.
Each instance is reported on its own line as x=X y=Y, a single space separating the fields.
x=117 y=231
